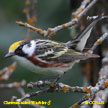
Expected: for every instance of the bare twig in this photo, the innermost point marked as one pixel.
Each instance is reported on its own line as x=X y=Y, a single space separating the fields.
x=81 y=8
x=13 y=85
x=34 y=9
x=30 y=12
x=94 y=17
x=103 y=95
x=60 y=87
x=79 y=102
x=101 y=85
x=7 y=71
x=98 y=42
x=51 y=31
x=21 y=91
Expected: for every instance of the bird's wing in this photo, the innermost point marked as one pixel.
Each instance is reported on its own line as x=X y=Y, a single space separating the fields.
x=49 y=48
x=66 y=57
x=51 y=51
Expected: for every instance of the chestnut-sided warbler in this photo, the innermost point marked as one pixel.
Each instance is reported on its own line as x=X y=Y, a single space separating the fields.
x=51 y=57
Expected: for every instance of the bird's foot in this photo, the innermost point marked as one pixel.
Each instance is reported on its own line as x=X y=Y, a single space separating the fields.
x=45 y=81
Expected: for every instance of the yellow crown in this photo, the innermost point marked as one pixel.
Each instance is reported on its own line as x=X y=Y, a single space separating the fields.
x=15 y=45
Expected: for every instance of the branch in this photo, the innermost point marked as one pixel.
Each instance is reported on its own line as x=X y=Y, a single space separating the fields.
x=18 y=86
x=7 y=71
x=21 y=91
x=30 y=11
x=51 y=31
x=81 y=8
x=94 y=17
x=13 y=85
x=98 y=42
x=101 y=85
x=103 y=95
x=60 y=87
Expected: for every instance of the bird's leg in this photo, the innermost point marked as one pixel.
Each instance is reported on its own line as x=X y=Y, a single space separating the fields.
x=43 y=82
x=48 y=78
x=57 y=78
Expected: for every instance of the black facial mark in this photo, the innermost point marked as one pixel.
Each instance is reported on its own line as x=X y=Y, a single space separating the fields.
x=19 y=51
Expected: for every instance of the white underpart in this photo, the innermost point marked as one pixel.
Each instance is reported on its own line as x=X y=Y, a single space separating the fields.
x=29 y=50
x=46 y=71
x=81 y=44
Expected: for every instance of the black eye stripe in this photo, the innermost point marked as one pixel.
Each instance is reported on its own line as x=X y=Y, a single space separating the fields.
x=19 y=49
x=20 y=52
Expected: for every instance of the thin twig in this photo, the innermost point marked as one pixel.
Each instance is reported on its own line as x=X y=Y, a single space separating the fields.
x=60 y=87
x=103 y=95
x=98 y=42
x=7 y=72
x=13 y=85
x=30 y=12
x=21 y=91
x=51 y=31
x=81 y=8
x=94 y=17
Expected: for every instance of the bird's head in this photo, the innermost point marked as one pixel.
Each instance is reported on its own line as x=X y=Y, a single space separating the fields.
x=18 y=48
x=22 y=48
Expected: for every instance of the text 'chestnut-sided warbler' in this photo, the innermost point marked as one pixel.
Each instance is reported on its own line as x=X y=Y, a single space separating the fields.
x=50 y=57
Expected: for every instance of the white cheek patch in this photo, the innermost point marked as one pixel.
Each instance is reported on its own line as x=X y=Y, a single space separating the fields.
x=29 y=50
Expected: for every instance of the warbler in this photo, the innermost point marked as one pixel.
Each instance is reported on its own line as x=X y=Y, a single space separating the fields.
x=50 y=57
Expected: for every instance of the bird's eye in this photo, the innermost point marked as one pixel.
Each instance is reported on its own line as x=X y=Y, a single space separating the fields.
x=20 y=52
x=18 y=49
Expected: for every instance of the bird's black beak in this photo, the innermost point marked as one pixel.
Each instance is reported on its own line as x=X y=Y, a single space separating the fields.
x=9 y=55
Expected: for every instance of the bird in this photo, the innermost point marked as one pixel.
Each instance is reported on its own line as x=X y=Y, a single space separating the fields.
x=50 y=57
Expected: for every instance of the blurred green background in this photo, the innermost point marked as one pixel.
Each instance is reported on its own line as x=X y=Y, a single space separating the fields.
x=49 y=14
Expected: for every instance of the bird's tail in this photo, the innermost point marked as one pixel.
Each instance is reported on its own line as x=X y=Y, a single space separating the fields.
x=81 y=39
x=91 y=55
